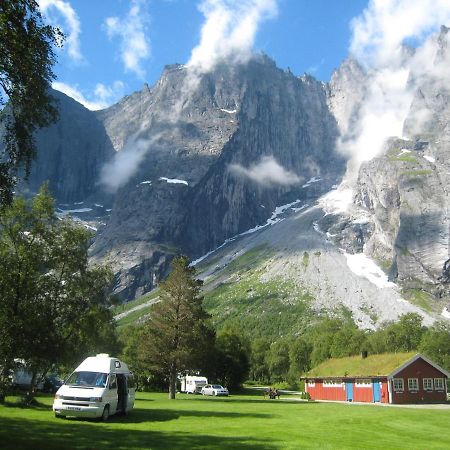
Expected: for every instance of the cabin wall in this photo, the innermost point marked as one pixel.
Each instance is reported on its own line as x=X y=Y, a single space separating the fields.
x=419 y=369
x=325 y=392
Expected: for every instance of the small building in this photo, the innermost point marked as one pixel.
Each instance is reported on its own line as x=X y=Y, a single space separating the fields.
x=387 y=378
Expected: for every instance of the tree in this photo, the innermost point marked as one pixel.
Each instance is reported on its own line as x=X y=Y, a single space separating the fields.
x=176 y=333
x=299 y=359
x=26 y=60
x=401 y=336
x=233 y=362
x=278 y=360
x=435 y=343
x=258 y=364
x=53 y=306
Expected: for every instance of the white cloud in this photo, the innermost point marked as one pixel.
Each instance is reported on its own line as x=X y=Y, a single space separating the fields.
x=71 y=24
x=117 y=172
x=133 y=31
x=378 y=42
x=102 y=97
x=267 y=172
x=229 y=31
x=380 y=31
x=227 y=34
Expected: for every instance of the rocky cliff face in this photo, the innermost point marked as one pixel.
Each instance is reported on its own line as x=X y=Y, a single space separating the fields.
x=71 y=153
x=400 y=215
x=196 y=160
x=184 y=197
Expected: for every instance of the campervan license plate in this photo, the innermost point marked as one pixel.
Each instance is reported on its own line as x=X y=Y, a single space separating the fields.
x=73 y=408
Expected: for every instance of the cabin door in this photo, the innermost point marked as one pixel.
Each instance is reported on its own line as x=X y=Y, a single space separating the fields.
x=349 y=390
x=376 y=391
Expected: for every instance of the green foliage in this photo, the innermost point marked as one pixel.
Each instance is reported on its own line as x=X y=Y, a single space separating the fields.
x=419 y=297
x=258 y=308
x=403 y=158
x=417 y=173
x=26 y=60
x=277 y=359
x=435 y=344
x=53 y=306
x=177 y=327
x=232 y=359
x=328 y=339
x=402 y=336
x=258 y=366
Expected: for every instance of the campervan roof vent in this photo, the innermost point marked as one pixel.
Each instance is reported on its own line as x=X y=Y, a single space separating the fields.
x=102 y=355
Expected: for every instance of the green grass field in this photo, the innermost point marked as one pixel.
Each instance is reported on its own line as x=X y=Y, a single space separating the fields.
x=237 y=422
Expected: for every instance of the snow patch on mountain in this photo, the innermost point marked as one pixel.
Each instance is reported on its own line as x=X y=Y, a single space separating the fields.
x=364 y=267
x=311 y=181
x=337 y=201
x=173 y=181
x=228 y=111
x=272 y=220
x=65 y=212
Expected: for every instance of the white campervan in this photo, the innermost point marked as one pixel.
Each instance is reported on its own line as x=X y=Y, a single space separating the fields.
x=192 y=384
x=99 y=387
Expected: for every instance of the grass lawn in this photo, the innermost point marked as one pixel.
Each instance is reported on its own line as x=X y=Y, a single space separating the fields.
x=246 y=422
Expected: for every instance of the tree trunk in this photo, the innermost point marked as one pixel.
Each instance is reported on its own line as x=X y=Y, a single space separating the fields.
x=5 y=382
x=32 y=390
x=172 y=383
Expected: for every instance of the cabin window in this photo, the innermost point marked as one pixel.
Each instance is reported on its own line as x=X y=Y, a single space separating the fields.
x=363 y=383
x=332 y=383
x=311 y=383
x=439 y=384
x=398 y=384
x=413 y=384
x=428 y=384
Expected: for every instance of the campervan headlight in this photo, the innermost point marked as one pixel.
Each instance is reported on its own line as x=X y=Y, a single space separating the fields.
x=59 y=397
x=95 y=399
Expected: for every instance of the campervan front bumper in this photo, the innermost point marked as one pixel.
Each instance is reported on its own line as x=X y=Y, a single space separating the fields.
x=78 y=408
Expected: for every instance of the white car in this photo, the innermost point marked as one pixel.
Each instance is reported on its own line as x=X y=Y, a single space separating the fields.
x=214 y=389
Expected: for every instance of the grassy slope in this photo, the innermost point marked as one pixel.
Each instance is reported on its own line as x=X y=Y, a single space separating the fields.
x=245 y=422
x=271 y=309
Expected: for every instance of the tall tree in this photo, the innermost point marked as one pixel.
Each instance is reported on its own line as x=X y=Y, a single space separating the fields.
x=176 y=333
x=26 y=61
x=232 y=359
x=435 y=343
x=52 y=304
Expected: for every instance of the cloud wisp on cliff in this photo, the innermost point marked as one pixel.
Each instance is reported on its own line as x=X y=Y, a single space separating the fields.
x=267 y=173
x=394 y=42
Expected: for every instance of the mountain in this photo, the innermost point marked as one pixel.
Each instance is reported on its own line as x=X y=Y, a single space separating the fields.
x=240 y=169
x=71 y=153
x=235 y=118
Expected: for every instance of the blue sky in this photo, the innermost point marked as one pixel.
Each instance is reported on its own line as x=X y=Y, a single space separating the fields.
x=306 y=35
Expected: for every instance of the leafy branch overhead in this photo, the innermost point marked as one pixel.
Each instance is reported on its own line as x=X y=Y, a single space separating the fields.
x=26 y=60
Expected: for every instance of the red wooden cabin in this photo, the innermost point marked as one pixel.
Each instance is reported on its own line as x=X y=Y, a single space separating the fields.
x=388 y=378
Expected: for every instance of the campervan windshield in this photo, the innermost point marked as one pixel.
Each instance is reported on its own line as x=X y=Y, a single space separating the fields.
x=87 y=379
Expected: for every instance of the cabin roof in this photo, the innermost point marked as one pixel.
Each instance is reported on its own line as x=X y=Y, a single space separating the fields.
x=358 y=367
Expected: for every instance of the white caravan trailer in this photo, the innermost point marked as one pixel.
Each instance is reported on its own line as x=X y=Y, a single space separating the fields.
x=193 y=384
x=99 y=387
x=21 y=376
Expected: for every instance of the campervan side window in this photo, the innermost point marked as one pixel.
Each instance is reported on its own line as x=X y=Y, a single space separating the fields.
x=112 y=381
